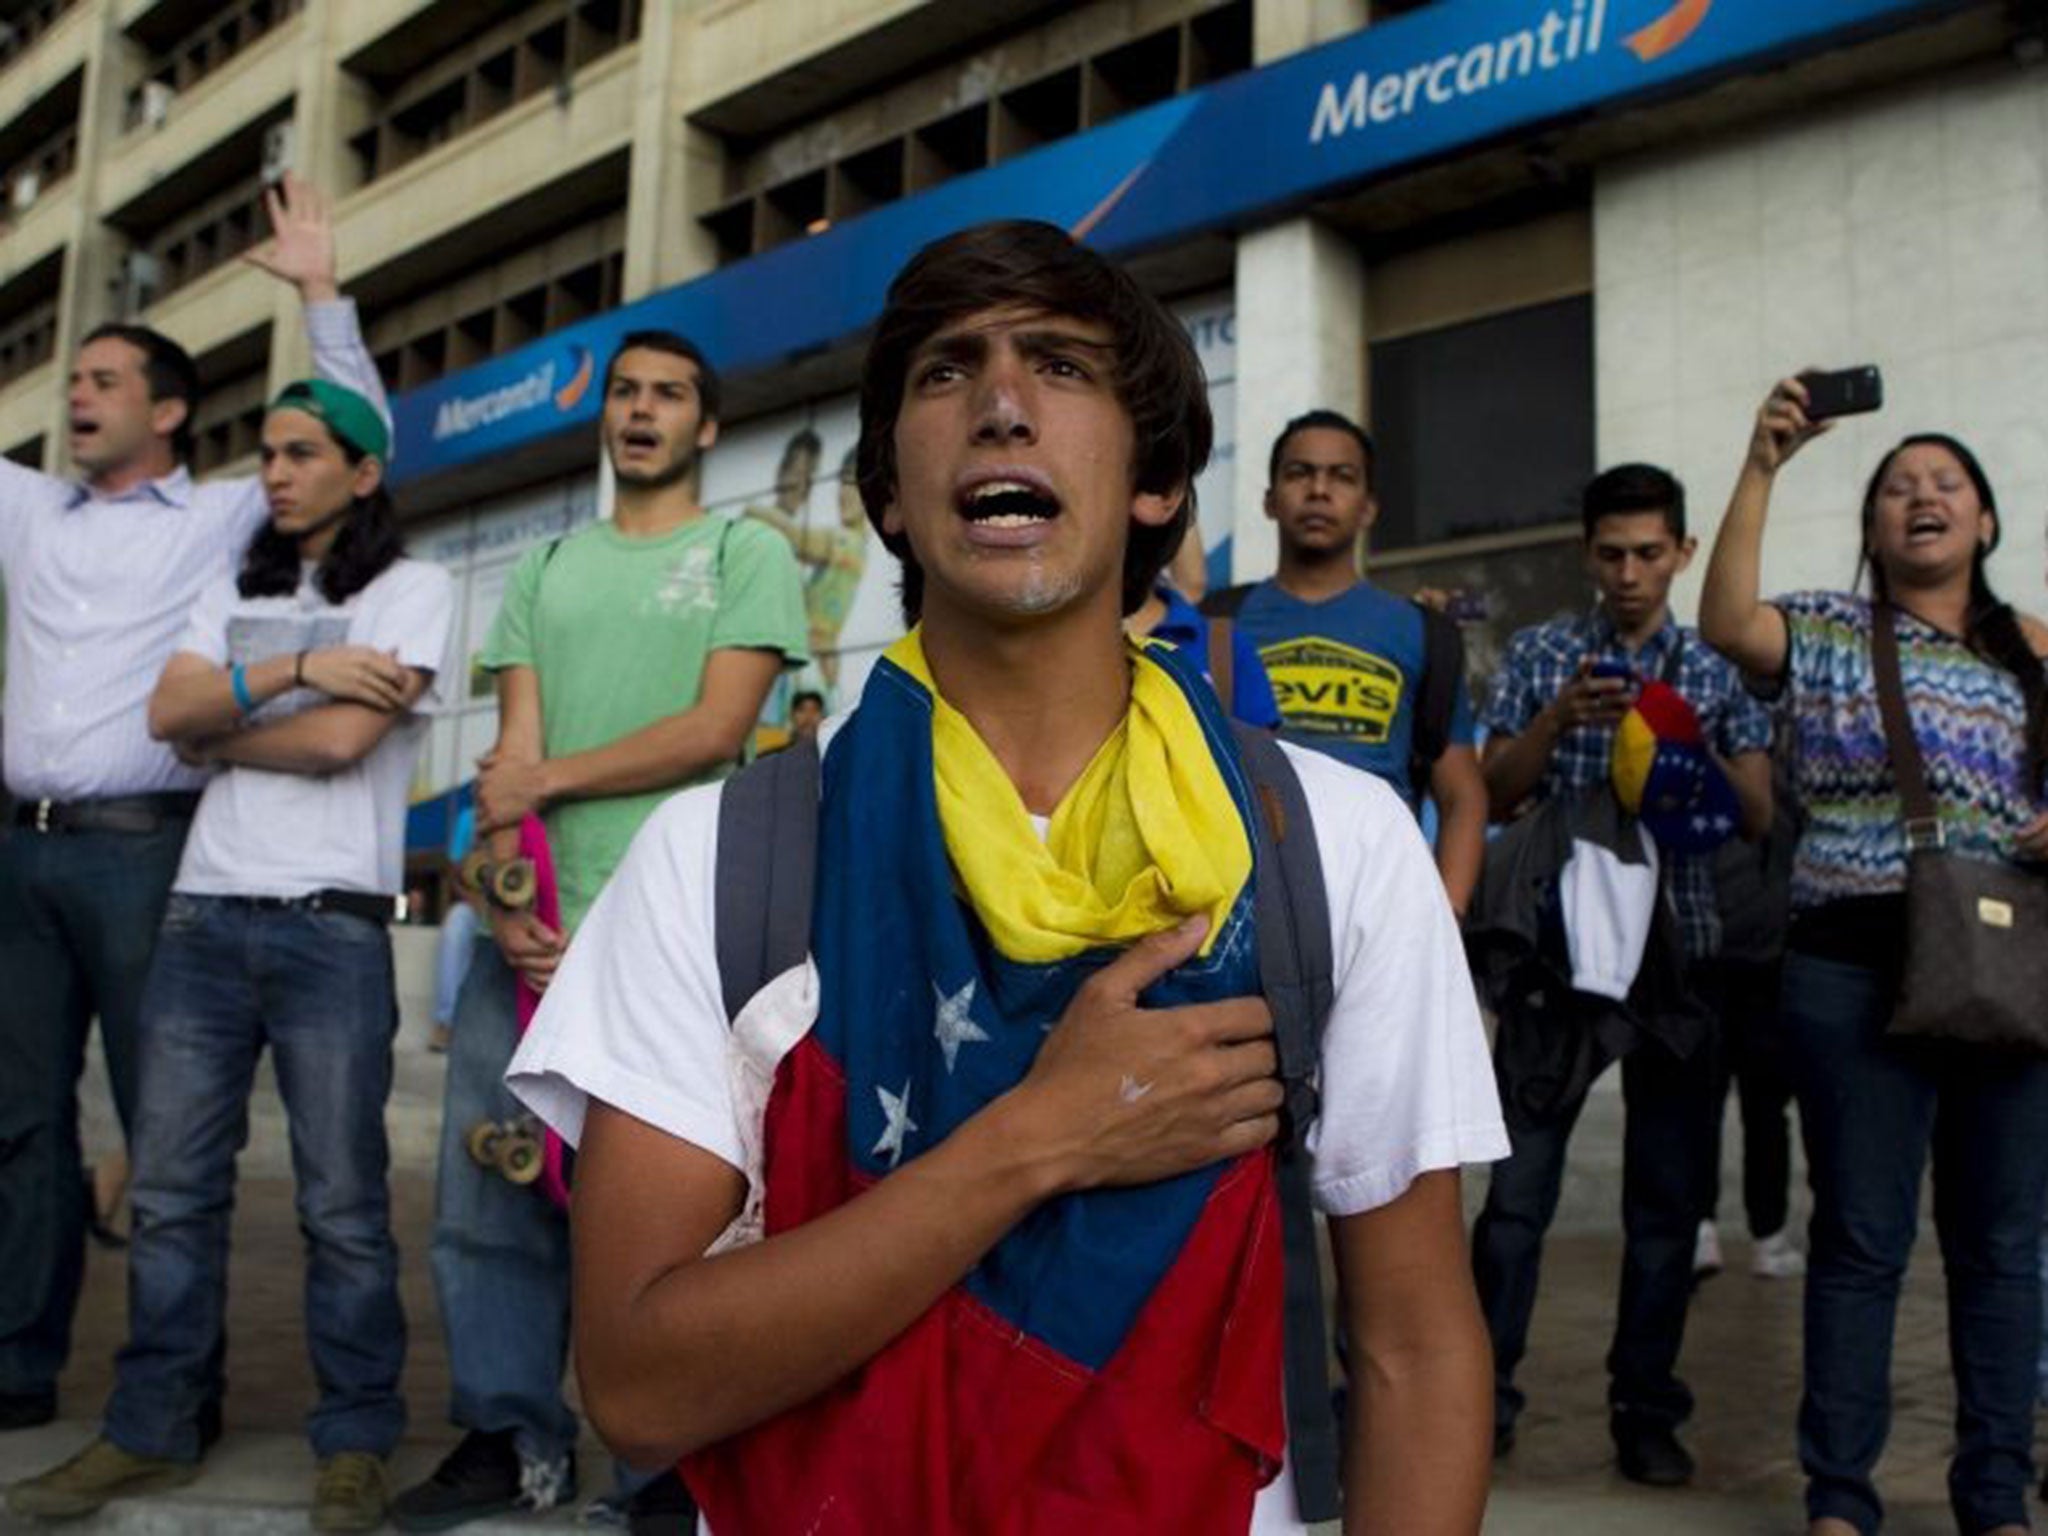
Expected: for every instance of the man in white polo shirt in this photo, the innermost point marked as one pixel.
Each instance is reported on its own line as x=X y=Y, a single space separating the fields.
x=102 y=572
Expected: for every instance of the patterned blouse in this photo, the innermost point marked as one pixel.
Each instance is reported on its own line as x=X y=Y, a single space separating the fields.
x=1968 y=715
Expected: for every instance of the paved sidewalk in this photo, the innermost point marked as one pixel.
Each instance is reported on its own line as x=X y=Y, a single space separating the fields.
x=1741 y=1357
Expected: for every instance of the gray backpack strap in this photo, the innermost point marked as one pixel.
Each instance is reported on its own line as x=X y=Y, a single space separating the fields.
x=1297 y=974
x=766 y=870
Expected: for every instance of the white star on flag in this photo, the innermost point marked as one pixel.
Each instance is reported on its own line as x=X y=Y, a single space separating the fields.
x=896 y=1111
x=954 y=1027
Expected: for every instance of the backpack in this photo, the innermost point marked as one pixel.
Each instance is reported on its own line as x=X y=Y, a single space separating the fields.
x=766 y=876
x=1436 y=693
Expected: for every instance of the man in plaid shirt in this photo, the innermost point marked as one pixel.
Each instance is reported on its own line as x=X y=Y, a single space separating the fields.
x=1551 y=730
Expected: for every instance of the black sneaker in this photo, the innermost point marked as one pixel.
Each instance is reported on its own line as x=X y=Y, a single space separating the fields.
x=484 y=1475
x=1648 y=1452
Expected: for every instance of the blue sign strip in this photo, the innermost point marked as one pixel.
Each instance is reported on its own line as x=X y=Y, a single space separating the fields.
x=1448 y=77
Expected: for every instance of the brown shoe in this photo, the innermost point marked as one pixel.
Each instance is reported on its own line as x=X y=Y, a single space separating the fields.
x=350 y=1494
x=100 y=1472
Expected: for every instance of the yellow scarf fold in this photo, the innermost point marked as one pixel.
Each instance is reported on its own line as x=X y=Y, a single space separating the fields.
x=1147 y=837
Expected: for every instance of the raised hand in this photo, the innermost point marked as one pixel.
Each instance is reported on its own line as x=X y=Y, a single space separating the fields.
x=300 y=249
x=1782 y=427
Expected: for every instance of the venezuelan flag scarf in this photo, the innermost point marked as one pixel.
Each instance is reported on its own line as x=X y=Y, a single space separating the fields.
x=1114 y=1364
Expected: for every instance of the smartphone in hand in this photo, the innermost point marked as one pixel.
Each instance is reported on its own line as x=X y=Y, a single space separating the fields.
x=1842 y=392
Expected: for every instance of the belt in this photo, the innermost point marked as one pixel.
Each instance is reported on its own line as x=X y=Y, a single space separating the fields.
x=367 y=905
x=138 y=814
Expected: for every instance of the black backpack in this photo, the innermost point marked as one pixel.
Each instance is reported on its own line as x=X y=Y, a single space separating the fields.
x=1436 y=693
x=766 y=877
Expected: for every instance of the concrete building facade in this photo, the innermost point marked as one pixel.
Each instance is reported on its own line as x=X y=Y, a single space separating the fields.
x=1522 y=238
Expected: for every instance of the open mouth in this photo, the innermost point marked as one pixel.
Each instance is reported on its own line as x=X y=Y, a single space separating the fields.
x=1008 y=504
x=635 y=440
x=1924 y=528
x=84 y=429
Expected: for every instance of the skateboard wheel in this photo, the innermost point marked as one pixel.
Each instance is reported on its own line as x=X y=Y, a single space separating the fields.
x=519 y=1159
x=482 y=1142
x=471 y=872
x=512 y=884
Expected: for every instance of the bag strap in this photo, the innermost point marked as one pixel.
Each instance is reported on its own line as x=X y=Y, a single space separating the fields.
x=766 y=870
x=1923 y=824
x=1436 y=695
x=1296 y=973
x=1223 y=662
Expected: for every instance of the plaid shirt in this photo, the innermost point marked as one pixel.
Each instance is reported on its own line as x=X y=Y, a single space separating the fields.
x=1543 y=658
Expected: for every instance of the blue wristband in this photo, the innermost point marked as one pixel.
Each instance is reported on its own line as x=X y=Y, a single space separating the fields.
x=238 y=679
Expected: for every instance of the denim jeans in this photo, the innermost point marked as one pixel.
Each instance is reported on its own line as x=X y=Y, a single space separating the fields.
x=1872 y=1108
x=1753 y=1057
x=78 y=920
x=316 y=987
x=1667 y=1181
x=501 y=1252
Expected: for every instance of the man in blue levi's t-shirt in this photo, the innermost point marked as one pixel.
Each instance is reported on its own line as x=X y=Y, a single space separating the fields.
x=1352 y=665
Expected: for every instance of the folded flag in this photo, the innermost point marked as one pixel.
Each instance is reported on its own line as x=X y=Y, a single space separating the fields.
x=1664 y=774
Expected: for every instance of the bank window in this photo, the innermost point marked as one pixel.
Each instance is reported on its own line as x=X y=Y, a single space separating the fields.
x=1483 y=427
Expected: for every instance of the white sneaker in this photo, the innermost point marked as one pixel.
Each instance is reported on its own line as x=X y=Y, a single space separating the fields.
x=1774 y=1258
x=1706 y=1252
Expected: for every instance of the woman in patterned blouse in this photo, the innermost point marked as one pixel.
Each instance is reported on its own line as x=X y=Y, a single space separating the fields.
x=1872 y=1107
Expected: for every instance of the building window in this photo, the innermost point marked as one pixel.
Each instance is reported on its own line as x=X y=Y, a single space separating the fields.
x=775 y=202
x=501 y=300
x=24 y=25
x=227 y=422
x=188 y=42
x=432 y=94
x=1484 y=427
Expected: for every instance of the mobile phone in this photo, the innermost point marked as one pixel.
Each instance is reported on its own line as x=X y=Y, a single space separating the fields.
x=1617 y=669
x=1843 y=392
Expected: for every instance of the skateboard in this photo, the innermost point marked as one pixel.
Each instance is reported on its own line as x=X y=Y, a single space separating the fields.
x=521 y=1149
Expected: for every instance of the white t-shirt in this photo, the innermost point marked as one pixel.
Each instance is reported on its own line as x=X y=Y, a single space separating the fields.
x=635 y=1015
x=259 y=833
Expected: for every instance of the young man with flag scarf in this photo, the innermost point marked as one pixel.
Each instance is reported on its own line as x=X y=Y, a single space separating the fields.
x=968 y=1222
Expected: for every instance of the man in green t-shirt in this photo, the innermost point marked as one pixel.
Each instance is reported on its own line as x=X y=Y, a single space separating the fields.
x=632 y=659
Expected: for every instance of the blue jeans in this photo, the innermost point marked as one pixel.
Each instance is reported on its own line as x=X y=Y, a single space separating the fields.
x=501 y=1252
x=1668 y=1145
x=452 y=954
x=316 y=987
x=78 y=920
x=1872 y=1108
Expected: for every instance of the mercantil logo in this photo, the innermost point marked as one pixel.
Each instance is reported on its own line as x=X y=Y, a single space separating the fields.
x=1563 y=37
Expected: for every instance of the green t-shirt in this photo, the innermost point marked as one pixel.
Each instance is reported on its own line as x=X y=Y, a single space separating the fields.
x=619 y=630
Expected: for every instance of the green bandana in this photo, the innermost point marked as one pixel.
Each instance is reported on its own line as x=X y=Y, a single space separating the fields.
x=351 y=418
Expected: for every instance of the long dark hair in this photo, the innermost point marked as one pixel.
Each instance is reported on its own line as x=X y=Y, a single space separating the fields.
x=366 y=546
x=1992 y=629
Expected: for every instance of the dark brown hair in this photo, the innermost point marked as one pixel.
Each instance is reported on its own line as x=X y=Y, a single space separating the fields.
x=167 y=370
x=1023 y=264
x=709 y=387
x=1992 y=630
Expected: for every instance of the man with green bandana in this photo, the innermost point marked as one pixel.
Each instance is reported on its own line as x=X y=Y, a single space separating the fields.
x=967 y=1222
x=632 y=659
